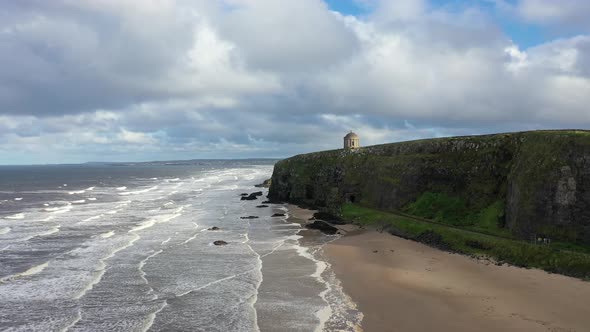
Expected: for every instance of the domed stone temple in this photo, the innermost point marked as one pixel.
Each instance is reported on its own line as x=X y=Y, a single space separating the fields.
x=351 y=141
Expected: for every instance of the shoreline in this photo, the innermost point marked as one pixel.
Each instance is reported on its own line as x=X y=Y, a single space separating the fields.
x=403 y=285
x=340 y=312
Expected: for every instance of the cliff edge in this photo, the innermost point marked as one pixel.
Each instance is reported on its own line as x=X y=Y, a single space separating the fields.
x=530 y=184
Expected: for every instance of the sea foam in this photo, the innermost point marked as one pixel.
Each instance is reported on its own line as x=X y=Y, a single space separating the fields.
x=18 y=216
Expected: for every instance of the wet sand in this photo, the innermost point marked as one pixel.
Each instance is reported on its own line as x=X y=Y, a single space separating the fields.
x=401 y=285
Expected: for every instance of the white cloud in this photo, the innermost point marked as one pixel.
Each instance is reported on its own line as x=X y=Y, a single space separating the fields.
x=131 y=137
x=178 y=79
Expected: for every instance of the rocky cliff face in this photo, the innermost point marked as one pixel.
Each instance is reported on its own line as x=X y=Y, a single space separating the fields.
x=542 y=178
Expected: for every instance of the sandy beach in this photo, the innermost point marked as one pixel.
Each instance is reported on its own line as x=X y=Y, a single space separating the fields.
x=401 y=285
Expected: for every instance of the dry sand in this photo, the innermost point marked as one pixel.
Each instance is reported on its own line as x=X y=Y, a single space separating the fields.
x=407 y=286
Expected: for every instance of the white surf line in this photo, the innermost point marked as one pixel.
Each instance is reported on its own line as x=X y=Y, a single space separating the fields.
x=18 y=216
x=325 y=313
x=73 y=323
x=259 y=267
x=77 y=192
x=107 y=235
x=214 y=283
x=18 y=199
x=194 y=235
x=121 y=188
x=60 y=209
x=31 y=271
x=151 y=318
x=142 y=273
x=49 y=232
x=102 y=267
x=93 y=218
x=138 y=191
x=282 y=242
x=5 y=230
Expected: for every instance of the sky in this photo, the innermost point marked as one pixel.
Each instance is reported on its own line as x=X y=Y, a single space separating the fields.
x=141 y=80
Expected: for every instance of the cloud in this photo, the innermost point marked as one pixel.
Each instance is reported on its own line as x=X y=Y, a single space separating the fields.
x=568 y=12
x=113 y=80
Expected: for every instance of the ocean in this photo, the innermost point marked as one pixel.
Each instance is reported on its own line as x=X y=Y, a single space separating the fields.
x=127 y=247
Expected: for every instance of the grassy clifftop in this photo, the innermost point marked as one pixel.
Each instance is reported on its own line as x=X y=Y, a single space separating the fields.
x=519 y=185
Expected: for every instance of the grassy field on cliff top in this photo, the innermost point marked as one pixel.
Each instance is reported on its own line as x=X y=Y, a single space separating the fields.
x=551 y=258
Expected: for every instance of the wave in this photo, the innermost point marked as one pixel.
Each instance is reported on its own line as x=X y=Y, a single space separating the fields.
x=102 y=267
x=107 y=235
x=5 y=230
x=92 y=199
x=79 y=201
x=90 y=189
x=73 y=322
x=17 y=216
x=121 y=188
x=325 y=313
x=18 y=199
x=139 y=191
x=76 y=192
x=32 y=271
x=49 y=232
x=194 y=235
x=93 y=218
x=152 y=317
x=61 y=209
x=157 y=220
x=48 y=218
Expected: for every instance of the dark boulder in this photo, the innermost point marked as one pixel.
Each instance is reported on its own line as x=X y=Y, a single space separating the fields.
x=244 y=194
x=249 y=217
x=278 y=215
x=214 y=228
x=249 y=198
x=323 y=226
x=219 y=243
x=258 y=193
x=267 y=202
x=262 y=206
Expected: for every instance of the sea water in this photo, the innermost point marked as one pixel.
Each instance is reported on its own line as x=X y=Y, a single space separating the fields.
x=127 y=247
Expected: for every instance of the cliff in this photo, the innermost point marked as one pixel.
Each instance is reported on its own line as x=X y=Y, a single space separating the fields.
x=525 y=184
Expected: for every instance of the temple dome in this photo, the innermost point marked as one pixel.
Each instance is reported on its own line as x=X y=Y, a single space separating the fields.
x=351 y=135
